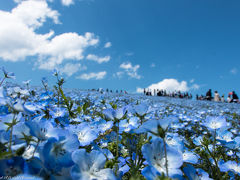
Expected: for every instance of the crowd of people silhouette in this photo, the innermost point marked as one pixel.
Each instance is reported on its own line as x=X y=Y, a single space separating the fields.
x=161 y=92
x=232 y=97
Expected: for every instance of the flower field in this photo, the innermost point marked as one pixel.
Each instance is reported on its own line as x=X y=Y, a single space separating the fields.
x=52 y=133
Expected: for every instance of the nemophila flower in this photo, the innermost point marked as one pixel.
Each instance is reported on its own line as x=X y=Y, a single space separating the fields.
x=174 y=140
x=225 y=135
x=214 y=123
x=190 y=157
x=3 y=96
x=114 y=113
x=58 y=112
x=40 y=129
x=39 y=167
x=191 y=172
x=203 y=175
x=11 y=167
x=89 y=166
x=44 y=81
x=3 y=109
x=127 y=125
x=9 y=75
x=55 y=72
x=153 y=125
x=122 y=166
x=141 y=109
x=4 y=136
x=104 y=126
x=85 y=134
x=46 y=95
x=155 y=155
x=197 y=140
x=27 y=82
x=57 y=152
x=31 y=108
x=229 y=166
x=6 y=119
x=150 y=173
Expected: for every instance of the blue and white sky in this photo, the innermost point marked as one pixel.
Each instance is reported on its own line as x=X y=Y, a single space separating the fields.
x=124 y=44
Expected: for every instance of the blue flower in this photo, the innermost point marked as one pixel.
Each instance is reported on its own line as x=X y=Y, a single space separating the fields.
x=85 y=134
x=128 y=125
x=190 y=172
x=214 y=123
x=8 y=74
x=104 y=126
x=89 y=166
x=155 y=155
x=39 y=129
x=150 y=173
x=114 y=114
x=152 y=125
x=57 y=153
x=190 y=157
x=12 y=167
x=230 y=166
x=141 y=109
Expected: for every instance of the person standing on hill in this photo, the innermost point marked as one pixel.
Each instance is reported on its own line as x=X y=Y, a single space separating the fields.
x=235 y=97
x=222 y=98
x=209 y=95
x=216 y=97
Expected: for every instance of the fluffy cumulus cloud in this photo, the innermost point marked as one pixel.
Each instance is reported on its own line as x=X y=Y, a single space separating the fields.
x=67 y=2
x=19 y=39
x=99 y=60
x=92 y=75
x=170 y=85
x=108 y=45
x=69 y=69
x=63 y=47
x=129 y=69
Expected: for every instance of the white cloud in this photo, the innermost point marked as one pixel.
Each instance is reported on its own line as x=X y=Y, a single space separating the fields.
x=96 y=76
x=18 y=38
x=119 y=74
x=234 y=71
x=192 y=80
x=140 y=90
x=67 y=2
x=64 y=46
x=195 y=86
x=130 y=70
x=98 y=59
x=108 y=45
x=69 y=69
x=170 y=85
x=34 y=13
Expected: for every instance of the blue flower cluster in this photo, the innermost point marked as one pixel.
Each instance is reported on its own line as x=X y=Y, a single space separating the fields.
x=48 y=133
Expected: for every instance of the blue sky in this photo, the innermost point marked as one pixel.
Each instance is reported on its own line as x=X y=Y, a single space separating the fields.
x=124 y=44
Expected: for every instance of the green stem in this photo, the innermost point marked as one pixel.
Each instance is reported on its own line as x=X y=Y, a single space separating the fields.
x=11 y=133
x=2 y=81
x=214 y=143
x=35 y=148
x=165 y=152
x=10 y=141
x=215 y=161
x=117 y=154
